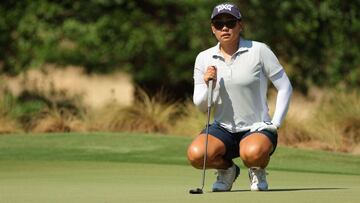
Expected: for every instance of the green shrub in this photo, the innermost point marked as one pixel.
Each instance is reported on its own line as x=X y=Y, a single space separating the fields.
x=157 y=41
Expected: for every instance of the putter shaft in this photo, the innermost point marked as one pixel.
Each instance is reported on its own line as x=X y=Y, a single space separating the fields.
x=210 y=94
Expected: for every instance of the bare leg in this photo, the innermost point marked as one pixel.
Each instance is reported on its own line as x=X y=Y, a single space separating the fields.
x=216 y=150
x=255 y=150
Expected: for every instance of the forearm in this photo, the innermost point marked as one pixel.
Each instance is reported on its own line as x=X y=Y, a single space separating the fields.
x=200 y=96
x=283 y=85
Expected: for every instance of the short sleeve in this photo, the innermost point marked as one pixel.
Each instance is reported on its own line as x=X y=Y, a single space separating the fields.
x=270 y=63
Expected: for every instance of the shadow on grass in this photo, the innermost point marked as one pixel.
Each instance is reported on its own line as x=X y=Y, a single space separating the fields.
x=300 y=189
x=292 y=189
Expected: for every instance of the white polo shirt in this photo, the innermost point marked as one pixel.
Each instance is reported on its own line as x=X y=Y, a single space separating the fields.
x=240 y=93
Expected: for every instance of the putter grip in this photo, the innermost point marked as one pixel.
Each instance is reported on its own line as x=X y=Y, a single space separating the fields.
x=210 y=93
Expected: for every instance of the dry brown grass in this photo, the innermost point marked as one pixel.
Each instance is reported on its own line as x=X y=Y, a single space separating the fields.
x=56 y=120
x=295 y=130
x=190 y=122
x=61 y=111
x=328 y=120
x=147 y=114
x=337 y=120
x=8 y=126
x=7 y=123
x=325 y=119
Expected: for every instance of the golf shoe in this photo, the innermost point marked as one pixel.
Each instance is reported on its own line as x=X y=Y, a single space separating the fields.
x=257 y=178
x=226 y=178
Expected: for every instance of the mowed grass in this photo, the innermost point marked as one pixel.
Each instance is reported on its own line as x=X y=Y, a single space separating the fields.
x=155 y=149
x=122 y=167
x=100 y=182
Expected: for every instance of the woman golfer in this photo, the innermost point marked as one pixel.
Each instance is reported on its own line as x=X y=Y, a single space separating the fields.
x=242 y=127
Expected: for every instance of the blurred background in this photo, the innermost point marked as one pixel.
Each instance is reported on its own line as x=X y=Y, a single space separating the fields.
x=117 y=65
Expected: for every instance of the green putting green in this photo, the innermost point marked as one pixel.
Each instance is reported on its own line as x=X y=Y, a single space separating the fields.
x=58 y=181
x=122 y=167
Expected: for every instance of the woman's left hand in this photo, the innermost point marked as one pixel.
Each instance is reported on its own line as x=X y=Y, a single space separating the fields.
x=263 y=126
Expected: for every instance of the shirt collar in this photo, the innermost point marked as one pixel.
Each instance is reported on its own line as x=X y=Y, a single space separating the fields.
x=243 y=47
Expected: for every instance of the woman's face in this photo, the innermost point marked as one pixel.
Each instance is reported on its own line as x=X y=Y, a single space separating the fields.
x=226 y=28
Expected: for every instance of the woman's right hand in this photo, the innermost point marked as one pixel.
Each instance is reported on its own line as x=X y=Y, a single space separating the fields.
x=210 y=74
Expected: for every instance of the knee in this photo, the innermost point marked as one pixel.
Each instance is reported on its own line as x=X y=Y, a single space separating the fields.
x=253 y=153
x=195 y=156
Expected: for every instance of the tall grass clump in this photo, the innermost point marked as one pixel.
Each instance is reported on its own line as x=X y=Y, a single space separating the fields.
x=329 y=120
x=45 y=108
x=295 y=129
x=8 y=123
x=147 y=114
x=191 y=121
x=337 y=120
x=56 y=119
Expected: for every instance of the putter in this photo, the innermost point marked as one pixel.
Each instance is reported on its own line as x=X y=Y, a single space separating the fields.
x=209 y=99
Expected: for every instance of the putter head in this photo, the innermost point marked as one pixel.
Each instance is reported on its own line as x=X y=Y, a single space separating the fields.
x=196 y=191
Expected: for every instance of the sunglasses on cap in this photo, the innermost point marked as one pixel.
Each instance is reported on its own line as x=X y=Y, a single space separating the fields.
x=219 y=24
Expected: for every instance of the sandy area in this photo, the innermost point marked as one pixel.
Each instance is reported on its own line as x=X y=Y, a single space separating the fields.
x=96 y=89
